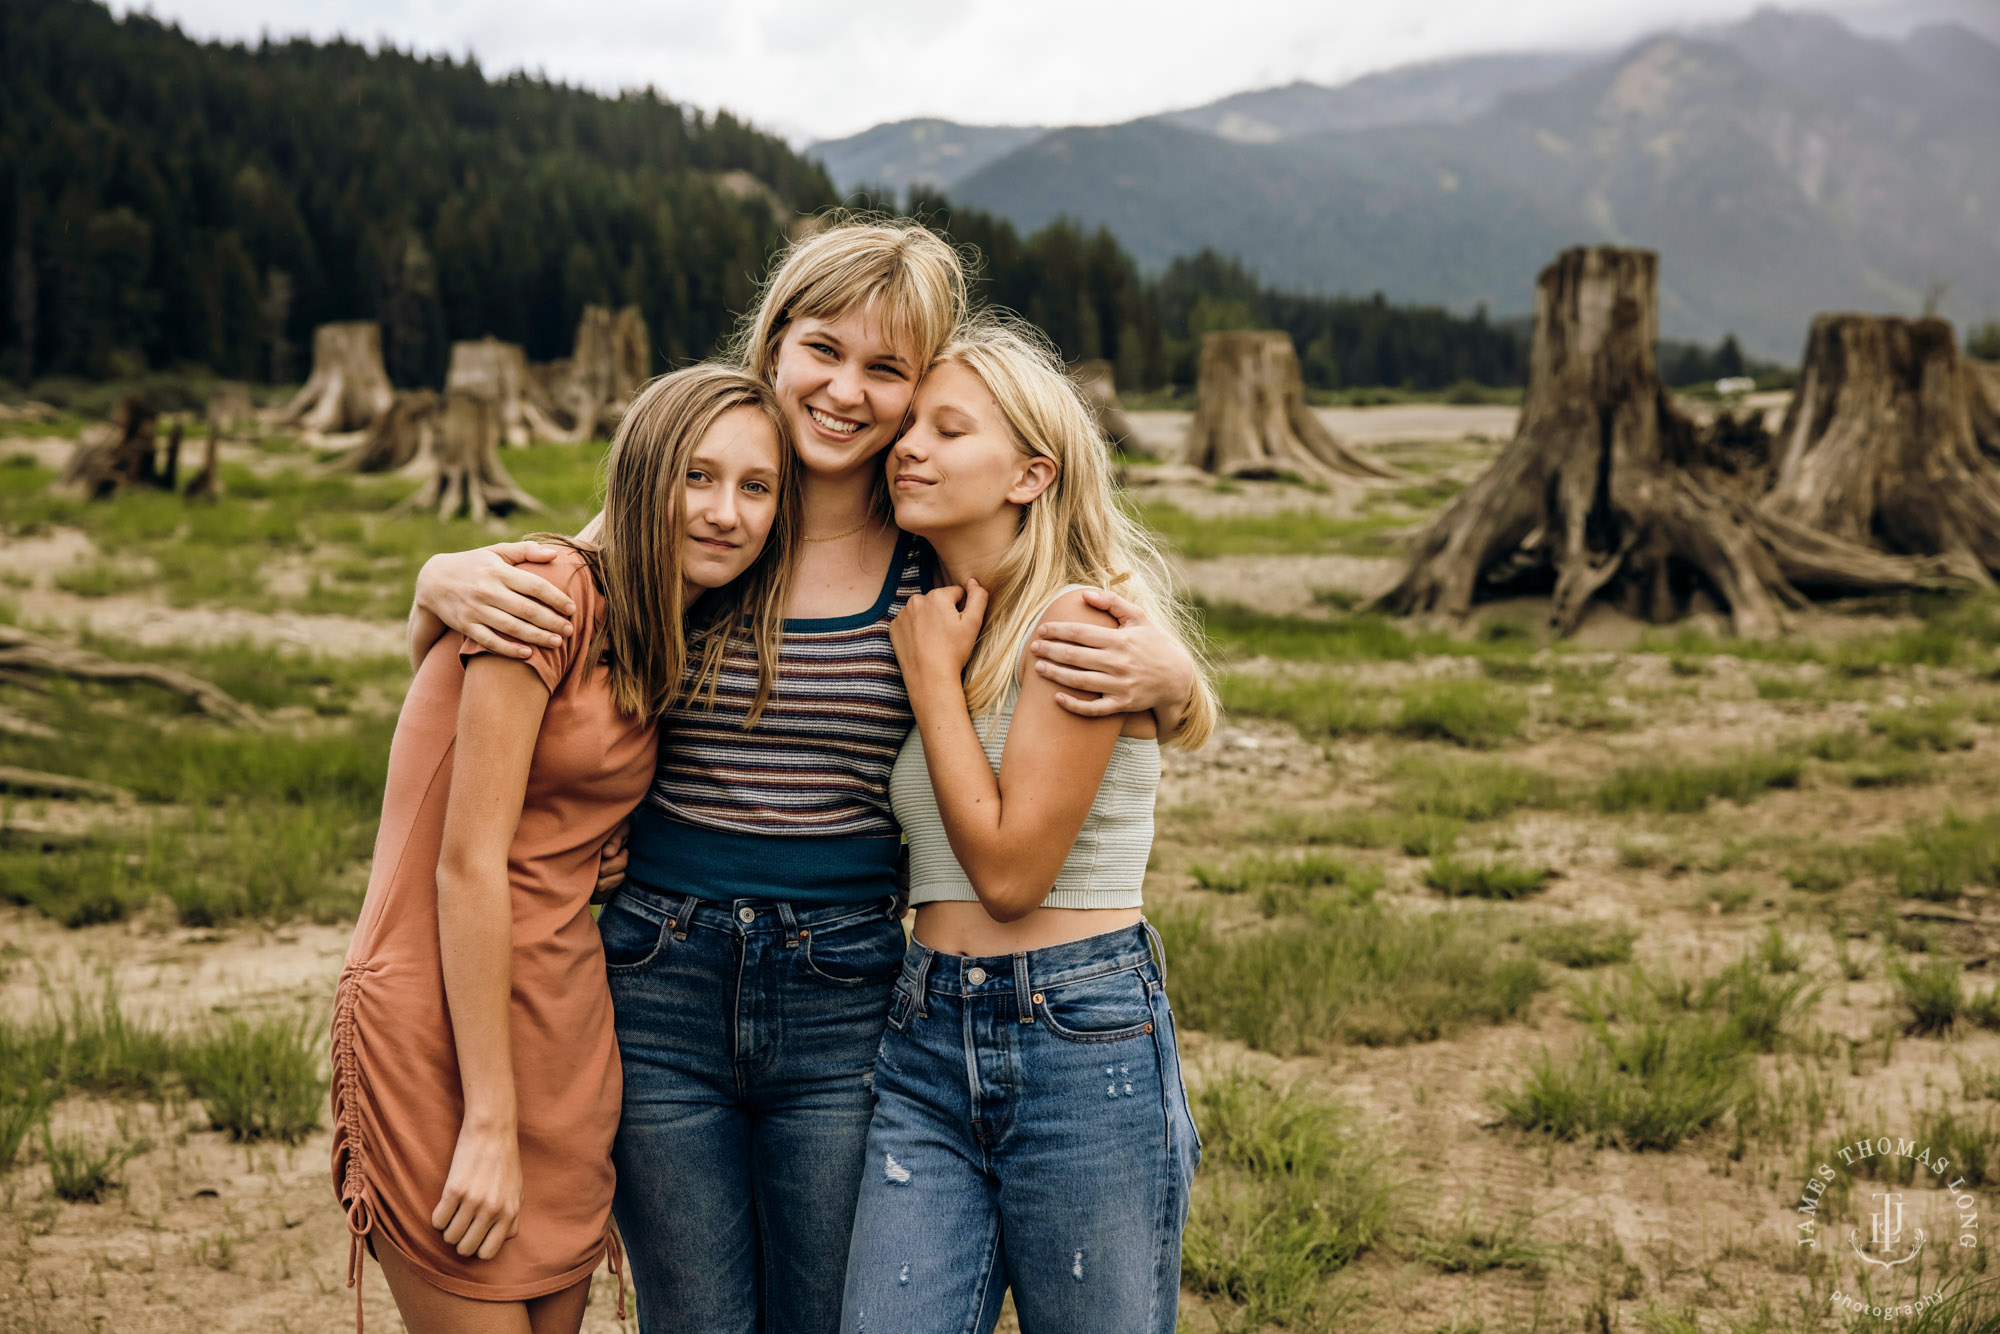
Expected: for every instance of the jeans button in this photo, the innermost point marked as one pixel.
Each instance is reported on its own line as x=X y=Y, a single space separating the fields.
x=976 y=976
x=746 y=914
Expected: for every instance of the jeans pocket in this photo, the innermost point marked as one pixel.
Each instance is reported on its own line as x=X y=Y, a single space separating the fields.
x=632 y=939
x=1100 y=1009
x=862 y=951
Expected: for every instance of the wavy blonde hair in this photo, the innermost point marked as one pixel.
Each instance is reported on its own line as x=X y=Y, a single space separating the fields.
x=1076 y=531
x=913 y=276
x=653 y=660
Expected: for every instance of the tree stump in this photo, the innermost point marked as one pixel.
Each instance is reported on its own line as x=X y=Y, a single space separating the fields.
x=400 y=437
x=206 y=485
x=229 y=409
x=1606 y=481
x=1890 y=441
x=1251 y=418
x=1100 y=387
x=463 y=474
x=349 y=387
x=115 y=454
x=613 y=357
x=497 y=372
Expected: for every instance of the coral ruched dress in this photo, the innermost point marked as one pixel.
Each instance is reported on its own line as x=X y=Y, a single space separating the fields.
x=397 y=1104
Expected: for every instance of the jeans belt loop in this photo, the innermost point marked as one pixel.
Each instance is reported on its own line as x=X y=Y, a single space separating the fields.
x=923 y=982
x=684 y=918
x=790 y=924
x=1023 y=998
x=1157 y=948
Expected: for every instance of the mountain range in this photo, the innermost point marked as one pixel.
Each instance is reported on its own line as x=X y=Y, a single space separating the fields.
x=1782 y=165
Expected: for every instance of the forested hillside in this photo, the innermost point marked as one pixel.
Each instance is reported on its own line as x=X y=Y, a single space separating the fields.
x=163 y=200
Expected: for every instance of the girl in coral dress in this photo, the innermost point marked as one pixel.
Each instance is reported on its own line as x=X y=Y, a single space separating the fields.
x=476 y=1078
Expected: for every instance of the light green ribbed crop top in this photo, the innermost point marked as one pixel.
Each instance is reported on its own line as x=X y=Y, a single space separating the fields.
x=1107 y=863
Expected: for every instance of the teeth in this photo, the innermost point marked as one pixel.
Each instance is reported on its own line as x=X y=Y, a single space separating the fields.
x=834 y=423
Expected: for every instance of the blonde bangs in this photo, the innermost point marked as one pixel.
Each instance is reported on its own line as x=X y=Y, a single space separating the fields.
x=912 y=277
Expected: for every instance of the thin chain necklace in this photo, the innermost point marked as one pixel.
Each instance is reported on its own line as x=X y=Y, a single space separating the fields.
x=849 y=532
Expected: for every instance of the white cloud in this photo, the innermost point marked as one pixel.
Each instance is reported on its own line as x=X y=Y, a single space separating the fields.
x=826 y=70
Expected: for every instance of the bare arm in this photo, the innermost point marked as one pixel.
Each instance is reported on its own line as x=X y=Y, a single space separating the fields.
x=499 y=718
x=484 y=595
x=1011 y=832
x=1126 y=664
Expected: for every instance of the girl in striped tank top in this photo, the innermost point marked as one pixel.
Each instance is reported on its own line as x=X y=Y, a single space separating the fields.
x=752 y=952
x=1031 y=1131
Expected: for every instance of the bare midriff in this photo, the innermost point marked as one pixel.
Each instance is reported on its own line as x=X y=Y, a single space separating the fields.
x=957 y=927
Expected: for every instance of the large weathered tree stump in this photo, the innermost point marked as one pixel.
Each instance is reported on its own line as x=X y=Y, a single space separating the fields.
x=1608 y=487
x=497 y=372
x=1100 y=387
x=400 y=437
x=1251 y=418
x=570 y=400
x=349 y=387
x=1890 y=441
x=463 y=474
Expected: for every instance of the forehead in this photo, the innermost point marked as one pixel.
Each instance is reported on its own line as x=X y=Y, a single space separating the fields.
x=953 y=386
x=743 y=437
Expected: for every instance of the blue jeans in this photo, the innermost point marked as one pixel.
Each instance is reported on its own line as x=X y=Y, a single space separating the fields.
x=748 y=1033
x=1031 y=1132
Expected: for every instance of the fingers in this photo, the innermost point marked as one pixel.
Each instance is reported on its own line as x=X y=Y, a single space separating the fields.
x=493 y=643
x=1127 y=612
x=1090 y=708
x=1077 y=632
x=1100 y=659
x=509 y=614
x=516 y=552
x=1078 y=678
x=975 y=601
x=549 y=603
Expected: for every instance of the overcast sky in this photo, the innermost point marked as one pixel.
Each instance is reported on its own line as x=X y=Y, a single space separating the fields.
x=823 y=70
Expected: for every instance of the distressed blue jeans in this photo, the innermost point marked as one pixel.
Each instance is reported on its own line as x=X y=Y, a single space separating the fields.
x=747 y=1032
x=1031 y=1132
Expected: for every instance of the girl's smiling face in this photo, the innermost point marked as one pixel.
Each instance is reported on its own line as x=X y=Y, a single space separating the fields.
x=958 y=465
x=729 y=497
x=844 y=386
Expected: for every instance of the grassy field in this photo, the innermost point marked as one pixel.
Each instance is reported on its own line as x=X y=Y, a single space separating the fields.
x=1524 y=985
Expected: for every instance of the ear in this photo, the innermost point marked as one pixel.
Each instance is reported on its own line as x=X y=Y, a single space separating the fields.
x=1037 y=475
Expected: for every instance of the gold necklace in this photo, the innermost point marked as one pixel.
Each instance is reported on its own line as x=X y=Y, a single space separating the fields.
x=835 y=537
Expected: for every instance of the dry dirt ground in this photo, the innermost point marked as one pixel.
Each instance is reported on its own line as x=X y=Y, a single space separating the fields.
x=205 y=1236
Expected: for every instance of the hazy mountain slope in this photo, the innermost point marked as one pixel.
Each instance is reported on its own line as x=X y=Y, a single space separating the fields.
x=935 y=153
x=940 y=153
x=1785 y=167
x=1445 y=90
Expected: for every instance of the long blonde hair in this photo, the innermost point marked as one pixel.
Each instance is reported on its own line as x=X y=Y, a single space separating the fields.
x=637 y=563
x=913 y=276
x=1075 y=532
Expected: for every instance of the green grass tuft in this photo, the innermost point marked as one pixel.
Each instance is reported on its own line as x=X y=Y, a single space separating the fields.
x=1679 y=789
x=1497 y=879
x=1580 y=944
x=1290 y=1193
x=258 y=1079
x=1344 y=973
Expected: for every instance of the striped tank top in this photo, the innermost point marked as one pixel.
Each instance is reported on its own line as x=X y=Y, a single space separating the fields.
x=796 y=808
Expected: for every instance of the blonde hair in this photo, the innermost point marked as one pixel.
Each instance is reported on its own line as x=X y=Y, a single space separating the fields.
x=914 y=277
x=1075 y=532
x=643 y=636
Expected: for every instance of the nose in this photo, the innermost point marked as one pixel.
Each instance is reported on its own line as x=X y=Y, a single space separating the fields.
x=846 y=388
x=718 y=509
